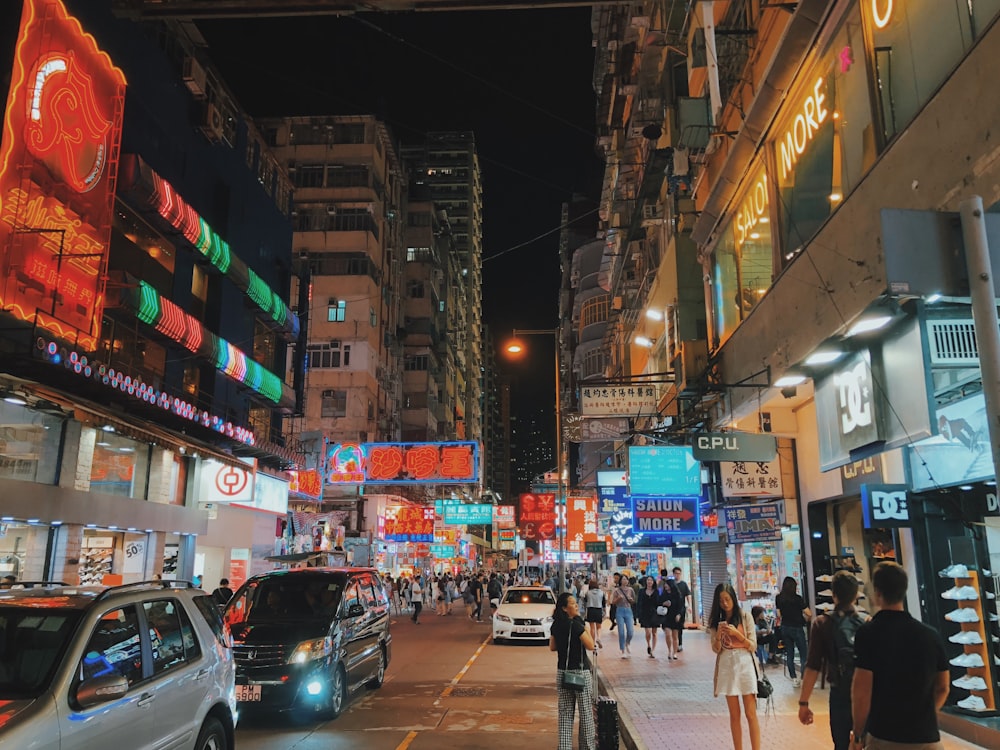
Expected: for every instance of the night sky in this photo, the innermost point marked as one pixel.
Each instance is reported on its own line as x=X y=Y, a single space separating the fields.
x=520 y=80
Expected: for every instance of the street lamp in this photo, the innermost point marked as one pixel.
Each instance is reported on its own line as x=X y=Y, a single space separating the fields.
x=516 y=348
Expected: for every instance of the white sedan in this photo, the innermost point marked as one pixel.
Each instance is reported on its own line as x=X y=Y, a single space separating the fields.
x=524 y=614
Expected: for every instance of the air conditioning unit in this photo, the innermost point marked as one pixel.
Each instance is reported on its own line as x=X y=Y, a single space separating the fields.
x=211 y=123
x=195 y=78
x=616 y=303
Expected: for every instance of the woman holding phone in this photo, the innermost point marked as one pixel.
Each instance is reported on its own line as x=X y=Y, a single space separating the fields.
x=734 y=640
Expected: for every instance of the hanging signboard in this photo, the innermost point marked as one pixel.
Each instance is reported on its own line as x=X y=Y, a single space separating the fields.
x=468 y=514
x=618 y=401
x=751 y=478
x=537 y=516
x=403 y=463
x=663 y=470
x=409 y=525
x=225 y=483
x=760 y=522
x=734 y=446
x=665 y=515
x=504 y=515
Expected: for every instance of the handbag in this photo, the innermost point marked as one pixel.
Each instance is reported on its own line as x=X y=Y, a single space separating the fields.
x=662 y=611
x=764 y=686
x=577 y=680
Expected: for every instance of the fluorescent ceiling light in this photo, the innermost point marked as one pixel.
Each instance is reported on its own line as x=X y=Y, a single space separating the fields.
x=13 y=398
x=654 y=314
x=932 y=298
x=643 y=341
x=870 y=323
x=824 y=357
x=786 y=381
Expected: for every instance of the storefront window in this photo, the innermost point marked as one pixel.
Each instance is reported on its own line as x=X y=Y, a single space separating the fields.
x=29 y=444
x=120 y=466
x=824 y=142
x=22 y=550
x=916 y=45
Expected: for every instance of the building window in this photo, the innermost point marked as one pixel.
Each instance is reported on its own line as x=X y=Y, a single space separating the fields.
x=334 y=404
x=417 y=362
x=328 y=356
x=349 y=133
x=372 y=317
x=415 y=289
x=338 y=176
x=308 y=176
x=336 y=310
x=594 y=310
x=418 y=254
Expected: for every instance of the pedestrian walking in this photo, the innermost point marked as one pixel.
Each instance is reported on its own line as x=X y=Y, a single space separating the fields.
x=494 y=590
x=571 y=641
x=649 y=600
x=223 y=593
x=831 y=652
x=685 y=592
x=612 y=585
x=623 y=599
x=476 y=587
x=416 y=599
x=795 y=615
x=441 y=607
x=734 y=642
x=595 y=601
x=669 y=611
x=901 y=672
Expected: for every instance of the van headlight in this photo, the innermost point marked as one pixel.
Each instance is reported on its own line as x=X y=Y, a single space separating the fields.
x=319 y=648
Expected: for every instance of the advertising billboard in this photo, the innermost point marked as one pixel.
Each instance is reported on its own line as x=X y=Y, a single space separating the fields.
x=403 y=463
x=58 y=167
x=409 y=525
x=537 y=516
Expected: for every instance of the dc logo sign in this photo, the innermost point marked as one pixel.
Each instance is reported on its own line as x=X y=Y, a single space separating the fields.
x=890 y=506
x=885 y=505
x=854 y=397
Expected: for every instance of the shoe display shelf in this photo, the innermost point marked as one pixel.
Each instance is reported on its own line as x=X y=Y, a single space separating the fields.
x=981 y=700
x=96 y=560
x=824 y=591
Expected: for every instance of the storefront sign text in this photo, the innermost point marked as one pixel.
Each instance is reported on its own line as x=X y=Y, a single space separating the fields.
x=803 y=129
x=751 y=211
x=885 y=505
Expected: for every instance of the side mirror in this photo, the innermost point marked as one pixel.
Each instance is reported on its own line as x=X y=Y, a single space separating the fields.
x=101 y=689
x=355 y=610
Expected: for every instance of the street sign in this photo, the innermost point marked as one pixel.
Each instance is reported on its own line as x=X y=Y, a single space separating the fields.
x=663 y=470
x=734 y=446
x=600 y=548
x=665 y=516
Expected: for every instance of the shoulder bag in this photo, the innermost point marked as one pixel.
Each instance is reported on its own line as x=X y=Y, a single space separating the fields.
x=764 y=687
x=573 y=680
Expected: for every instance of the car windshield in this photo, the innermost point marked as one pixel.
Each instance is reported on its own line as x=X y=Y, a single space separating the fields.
x=32 y=641
x=286 y=597
x=529 y=596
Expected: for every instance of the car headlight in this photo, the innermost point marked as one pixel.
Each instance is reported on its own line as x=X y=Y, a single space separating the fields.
x=546 y=620
x=503 y=618
x=318 y=648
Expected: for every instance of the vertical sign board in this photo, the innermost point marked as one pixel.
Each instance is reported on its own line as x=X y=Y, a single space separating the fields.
x=58 y=167
x=538 y=516
x=760 y=522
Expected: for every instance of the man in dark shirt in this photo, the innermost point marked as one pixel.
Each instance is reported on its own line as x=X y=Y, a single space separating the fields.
x=901 y=671
x=685 y=592
x=823 y=657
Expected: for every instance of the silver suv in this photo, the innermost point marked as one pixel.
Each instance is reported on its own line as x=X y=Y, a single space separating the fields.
x=144 y=665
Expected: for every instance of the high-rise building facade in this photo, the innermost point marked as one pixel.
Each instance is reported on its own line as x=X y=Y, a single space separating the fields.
x=448 y=165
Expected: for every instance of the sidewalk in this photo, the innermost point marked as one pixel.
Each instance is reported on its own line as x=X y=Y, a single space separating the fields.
x=669 y=704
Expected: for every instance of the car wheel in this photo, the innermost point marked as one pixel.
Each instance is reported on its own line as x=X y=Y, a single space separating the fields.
x=338 y=693
x=212 y=736
x=379 y=678
x=497 y=640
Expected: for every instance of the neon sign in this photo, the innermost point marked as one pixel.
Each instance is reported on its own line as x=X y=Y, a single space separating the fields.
x=61 y=135
x=752 y=212
x=403 y=463
x=308 y=482
x=882 y=18
x=803 y=128
x=409 y=525
x=167 y=318
x=80 y=364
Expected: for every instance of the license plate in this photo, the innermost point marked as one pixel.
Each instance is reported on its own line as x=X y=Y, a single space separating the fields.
x=524 y=629
x=247 y=693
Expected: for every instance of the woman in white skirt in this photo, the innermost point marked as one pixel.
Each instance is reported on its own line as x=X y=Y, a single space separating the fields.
x=734 y=640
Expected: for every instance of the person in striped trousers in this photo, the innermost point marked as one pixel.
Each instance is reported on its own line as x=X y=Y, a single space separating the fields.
x=571 y=641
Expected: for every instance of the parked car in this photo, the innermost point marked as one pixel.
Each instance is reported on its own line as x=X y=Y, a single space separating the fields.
x=308 y=638
x=144 y=665
x=524 y=614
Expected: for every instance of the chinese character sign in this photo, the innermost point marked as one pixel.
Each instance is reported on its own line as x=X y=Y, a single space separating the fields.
x=409 y=525
x=307 y=482
x=753 y=523
x=618 y=401
x=505 y=516
x=581 y=523
x=538 y=516
x=403 y=463
x=751 y=478
x=468 y=514
x=58 y=167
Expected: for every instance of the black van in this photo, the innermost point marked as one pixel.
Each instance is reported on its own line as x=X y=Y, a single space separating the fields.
x=308 y=638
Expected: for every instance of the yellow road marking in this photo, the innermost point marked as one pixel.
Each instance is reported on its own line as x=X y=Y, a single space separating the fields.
x=461 y=673
x=406 y=741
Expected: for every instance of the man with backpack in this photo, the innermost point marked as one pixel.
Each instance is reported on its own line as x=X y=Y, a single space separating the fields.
x=831 y=647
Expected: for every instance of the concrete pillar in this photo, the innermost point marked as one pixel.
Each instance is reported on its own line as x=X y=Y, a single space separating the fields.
x=161 y=463
x=66 y=559
x=77 y=457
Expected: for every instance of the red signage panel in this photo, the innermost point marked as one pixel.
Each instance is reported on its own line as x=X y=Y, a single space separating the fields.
x=537 y=516
x=58 y=167
x=402 y=463
x=410 y=525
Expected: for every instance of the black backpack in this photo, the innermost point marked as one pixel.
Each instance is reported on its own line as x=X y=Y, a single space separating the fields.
x=845 y=627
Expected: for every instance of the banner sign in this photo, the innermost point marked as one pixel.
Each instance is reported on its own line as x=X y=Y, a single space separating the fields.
x=618 y=401
x=884 y=506
x=471 y=514
x=665 y=515
x=442 y=551
x=753 y=523
x=505 y=517
x=751 y=478
x=409 y=525
x=403 y=463
x=507 y=539
x=734 y=446
x=663 y=470
x=306 y=483
x=537 y=516
x=602 y=430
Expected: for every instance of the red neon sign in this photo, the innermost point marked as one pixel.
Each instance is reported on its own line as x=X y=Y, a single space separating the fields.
x=61 y=134
x=538 y=516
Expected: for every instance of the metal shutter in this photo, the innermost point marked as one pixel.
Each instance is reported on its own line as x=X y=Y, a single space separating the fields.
x=711 y=572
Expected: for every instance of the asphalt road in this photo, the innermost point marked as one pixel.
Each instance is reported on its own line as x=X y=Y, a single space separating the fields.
x=447 y=686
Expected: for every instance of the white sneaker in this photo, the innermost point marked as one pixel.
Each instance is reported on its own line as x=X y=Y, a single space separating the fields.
x=967 y=638
x=960 y=593
x=824 y=578
x=990 y=595
x=967 y=660
x=968 y=682
x=987 y=572
x=825 y=606
x=972 y=703
x=796 y=682
x=964 y=614
x=624 y=656
x=628 y=649
x=955 y=571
